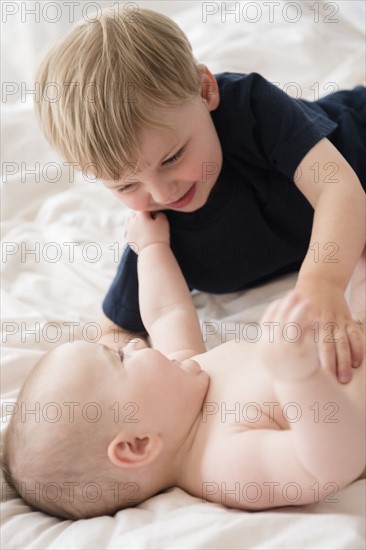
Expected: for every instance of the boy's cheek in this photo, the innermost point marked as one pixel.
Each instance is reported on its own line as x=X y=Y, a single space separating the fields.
x=133 y=201
x=133 y=205
x=206 y=166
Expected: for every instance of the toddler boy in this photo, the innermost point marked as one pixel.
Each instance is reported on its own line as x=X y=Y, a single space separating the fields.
x=254 y=184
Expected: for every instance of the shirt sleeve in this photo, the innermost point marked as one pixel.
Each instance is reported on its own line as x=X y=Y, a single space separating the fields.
x=121 y=303
x=271 y=129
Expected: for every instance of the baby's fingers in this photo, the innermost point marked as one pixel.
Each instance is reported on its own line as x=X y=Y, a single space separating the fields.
x=279 y=309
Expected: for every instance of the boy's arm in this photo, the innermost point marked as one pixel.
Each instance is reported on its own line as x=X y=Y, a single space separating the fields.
x=337 y=241
x=166 y=305
x=324 y=448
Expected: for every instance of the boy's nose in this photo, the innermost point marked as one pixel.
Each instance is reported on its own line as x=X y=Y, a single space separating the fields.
x=164 y=193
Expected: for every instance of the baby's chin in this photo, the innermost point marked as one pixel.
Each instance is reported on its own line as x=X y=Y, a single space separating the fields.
x=194 y=369
x=190 y=365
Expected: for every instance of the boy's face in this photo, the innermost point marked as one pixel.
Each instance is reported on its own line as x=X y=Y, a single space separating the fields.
x=178 y=167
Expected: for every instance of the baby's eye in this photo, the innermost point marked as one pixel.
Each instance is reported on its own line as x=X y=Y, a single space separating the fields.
x=120 y=353
x=175 y=157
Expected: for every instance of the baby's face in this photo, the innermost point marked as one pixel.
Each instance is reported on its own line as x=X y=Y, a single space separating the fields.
x=178 y=167
x=134 y=384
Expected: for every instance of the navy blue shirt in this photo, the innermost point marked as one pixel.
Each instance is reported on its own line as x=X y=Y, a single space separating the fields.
x=256 y=223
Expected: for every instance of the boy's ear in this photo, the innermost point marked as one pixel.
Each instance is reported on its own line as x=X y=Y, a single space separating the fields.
x=209 y=88
x=128 y=451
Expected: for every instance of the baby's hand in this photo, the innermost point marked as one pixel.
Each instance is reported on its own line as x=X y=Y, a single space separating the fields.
x=145 y=228
x=288 y=348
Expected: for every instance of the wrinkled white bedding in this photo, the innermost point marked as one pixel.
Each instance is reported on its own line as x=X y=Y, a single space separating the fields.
x=48 y=282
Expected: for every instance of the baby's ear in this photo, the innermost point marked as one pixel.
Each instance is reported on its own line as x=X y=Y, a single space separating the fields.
x=128 y=451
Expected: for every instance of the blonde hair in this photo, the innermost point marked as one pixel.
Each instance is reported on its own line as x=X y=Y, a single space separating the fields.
x=107 y=77
x=62 y=469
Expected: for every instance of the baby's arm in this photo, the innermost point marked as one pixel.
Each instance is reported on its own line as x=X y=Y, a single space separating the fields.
x=323 y=449
x=332 y=450
x=167 y=310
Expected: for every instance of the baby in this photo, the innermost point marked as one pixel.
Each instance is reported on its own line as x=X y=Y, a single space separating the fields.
x=250 y=425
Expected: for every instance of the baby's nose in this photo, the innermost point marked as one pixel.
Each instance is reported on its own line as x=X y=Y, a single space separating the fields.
x=136 y=343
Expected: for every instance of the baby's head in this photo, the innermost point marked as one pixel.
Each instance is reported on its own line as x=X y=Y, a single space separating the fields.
x=107 y=76
x=96 y=430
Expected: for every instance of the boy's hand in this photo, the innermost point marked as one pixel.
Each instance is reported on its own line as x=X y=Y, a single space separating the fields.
x=339 y=337
x=145 y=229
x=288 y=348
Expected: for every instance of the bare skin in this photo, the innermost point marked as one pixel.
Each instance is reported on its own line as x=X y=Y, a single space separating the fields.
x=269 y=417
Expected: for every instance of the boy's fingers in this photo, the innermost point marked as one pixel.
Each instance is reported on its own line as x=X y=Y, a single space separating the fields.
x=355 y=337
x=343 y=351
x=327 y=353
x=335 y=354
x=344 y=373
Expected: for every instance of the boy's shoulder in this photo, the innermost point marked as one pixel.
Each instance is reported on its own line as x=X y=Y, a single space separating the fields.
x=247 y=102
x=245 y=97
x=243 y=85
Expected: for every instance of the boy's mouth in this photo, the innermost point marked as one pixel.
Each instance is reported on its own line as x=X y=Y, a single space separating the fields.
x=186 y=199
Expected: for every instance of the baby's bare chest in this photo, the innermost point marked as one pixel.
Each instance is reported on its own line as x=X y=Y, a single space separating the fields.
x=241 y=393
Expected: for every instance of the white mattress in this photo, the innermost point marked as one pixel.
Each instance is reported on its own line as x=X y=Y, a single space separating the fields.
x=48 y=289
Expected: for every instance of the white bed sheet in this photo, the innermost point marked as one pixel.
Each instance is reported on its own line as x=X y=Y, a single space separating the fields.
x=48 y=290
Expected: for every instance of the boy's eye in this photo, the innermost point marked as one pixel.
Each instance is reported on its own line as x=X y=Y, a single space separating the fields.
x=175 y=157
x=127 y=188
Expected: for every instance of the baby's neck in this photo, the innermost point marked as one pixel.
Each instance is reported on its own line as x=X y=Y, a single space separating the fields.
x=187 y=459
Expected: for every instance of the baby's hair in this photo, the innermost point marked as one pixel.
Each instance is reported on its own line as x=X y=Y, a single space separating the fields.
x=63 y=471
x=108 y=78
